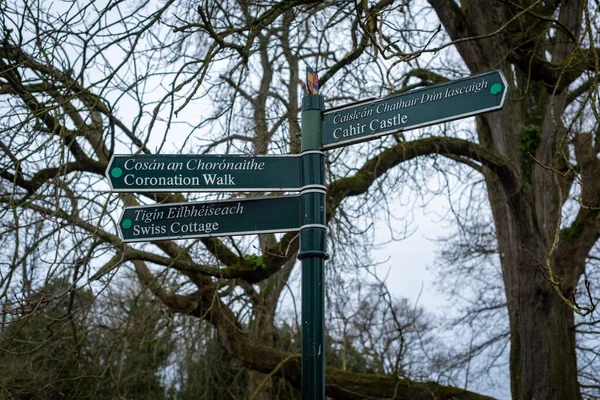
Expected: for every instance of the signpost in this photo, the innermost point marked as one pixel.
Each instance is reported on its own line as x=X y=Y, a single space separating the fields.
x=366 y=120
x=340 y=126
x=207 y=173
x=313 y=253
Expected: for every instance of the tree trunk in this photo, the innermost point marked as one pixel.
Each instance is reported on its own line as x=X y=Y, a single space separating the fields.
x=255 y=380
x=543 y=362
x=261 y=332
x=261 y=328
x=542 y=359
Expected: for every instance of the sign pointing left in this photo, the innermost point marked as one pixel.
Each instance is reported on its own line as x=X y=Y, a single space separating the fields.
x=206 y=173
x=211 y=218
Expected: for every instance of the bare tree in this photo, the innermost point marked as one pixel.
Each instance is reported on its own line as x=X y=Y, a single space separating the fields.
x=83 y=82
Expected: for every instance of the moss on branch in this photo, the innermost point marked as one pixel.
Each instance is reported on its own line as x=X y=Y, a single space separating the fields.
x=354 y=386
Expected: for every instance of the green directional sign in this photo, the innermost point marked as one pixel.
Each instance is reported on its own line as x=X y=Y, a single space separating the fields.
x=366 y=120
x=206 y=173
x=214 y=218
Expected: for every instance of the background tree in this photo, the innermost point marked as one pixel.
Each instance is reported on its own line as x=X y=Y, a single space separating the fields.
x=48 y=351
x=63 y=346
x=81 y=82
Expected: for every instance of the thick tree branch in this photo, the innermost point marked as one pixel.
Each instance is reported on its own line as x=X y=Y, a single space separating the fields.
x=44 y=175
x=459 y=27
x=577 y=240
x=377 y=166
x=265 y=359
x=339 y=384
x=557 y=77
x=351 y=56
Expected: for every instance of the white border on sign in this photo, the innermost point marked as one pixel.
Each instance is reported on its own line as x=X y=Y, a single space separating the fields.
x=209 y=190
x=423 y=124
x=239 y=233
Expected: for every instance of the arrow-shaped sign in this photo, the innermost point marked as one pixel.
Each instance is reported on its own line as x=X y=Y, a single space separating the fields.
x=207 y=173
x=366 y=120
x=212 y=218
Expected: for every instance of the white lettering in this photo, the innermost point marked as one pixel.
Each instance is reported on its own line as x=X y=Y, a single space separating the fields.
x=194 y=227
x=132 y=165
x=387 y=123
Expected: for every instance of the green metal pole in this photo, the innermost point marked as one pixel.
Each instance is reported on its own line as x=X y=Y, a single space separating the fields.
x=313 y=251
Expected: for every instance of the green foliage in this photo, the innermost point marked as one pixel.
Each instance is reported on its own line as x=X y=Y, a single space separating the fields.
x=45 y=351
x=73 y=351
x=571 y=233
x=209 y=373
x=125 y=347
x=254 y=262
x=347 y=357
x=146 y=346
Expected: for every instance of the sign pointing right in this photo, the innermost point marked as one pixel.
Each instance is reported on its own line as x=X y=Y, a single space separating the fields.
x=366 y=120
